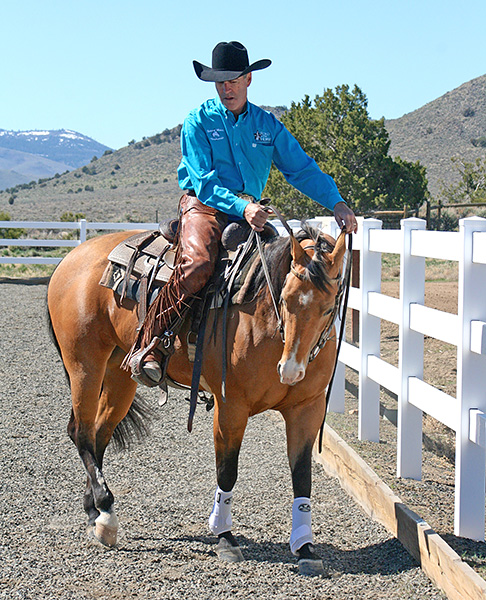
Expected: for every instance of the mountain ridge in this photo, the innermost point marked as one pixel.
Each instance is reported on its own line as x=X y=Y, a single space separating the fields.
x=442 y=129
x=43 y=153
x=139 y=182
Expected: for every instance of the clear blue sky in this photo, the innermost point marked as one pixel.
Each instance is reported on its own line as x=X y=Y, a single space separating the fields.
x=117 y=71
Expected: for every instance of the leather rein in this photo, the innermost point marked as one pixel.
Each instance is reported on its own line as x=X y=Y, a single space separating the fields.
x=343 y=289
x=340 y=303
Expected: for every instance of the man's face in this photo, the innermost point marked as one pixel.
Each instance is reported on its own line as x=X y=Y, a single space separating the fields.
x=233 y=94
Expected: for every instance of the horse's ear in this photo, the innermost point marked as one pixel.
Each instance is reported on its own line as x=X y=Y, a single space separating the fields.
x=337 y=255
x=297 y=251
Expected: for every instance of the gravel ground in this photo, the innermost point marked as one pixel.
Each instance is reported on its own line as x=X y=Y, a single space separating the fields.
x=163 y=489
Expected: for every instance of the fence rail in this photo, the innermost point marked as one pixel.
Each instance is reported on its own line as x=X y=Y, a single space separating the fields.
x=466 y=413
x=82 y=226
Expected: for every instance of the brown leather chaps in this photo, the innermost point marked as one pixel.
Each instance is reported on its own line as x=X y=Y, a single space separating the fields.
x=198 y=238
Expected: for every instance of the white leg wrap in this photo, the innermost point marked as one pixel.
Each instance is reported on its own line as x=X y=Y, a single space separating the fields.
x=220 y=517
x=301 y=524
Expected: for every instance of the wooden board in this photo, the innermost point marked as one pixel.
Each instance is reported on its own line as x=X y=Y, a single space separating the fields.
x=437 y=559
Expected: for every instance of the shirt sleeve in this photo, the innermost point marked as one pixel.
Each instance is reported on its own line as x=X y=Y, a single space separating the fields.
x=197 y=160
x=301 y=171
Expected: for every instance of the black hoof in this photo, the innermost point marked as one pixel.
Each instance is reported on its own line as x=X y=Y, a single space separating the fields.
x=227 y=549
x=310 y=563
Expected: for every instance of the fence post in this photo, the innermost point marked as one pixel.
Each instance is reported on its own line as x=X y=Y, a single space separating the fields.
x=83 y=229
x=369 y=337
x=336 y=400
x=410 y=353
x=354 y=312
x=471 y=367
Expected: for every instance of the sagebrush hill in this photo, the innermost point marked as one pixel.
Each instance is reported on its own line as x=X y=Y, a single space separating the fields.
x=454 y=125
x=136 y=183
x=139 y=182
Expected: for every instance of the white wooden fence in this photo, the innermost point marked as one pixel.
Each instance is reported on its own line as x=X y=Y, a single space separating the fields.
x=82 y=226
x=466 y=413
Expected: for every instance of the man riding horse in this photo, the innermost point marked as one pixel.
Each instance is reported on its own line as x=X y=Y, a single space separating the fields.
x=228 y=146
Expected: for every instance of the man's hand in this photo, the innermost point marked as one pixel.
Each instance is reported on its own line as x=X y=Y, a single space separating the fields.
x=256 y=216
x=345 y=217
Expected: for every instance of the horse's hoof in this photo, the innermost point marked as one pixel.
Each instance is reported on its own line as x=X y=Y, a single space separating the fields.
x=227 y=552
x=310 y=564
x=106 y=528
x=311 y=567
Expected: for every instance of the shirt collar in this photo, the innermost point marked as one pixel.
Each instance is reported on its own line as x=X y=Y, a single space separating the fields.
x=227 y=113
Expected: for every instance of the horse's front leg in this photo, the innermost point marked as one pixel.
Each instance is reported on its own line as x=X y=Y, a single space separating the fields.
x=302 y=424
x=229 y=427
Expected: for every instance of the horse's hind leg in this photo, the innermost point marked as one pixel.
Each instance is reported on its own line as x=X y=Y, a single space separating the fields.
x=91 y=428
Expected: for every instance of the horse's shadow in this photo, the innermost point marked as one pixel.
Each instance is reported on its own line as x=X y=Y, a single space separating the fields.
x=384 y=558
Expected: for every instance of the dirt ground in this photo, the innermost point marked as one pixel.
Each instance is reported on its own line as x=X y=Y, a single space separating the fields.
x=432 y=497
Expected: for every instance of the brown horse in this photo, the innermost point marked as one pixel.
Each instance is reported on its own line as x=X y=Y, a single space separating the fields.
x=94 y=330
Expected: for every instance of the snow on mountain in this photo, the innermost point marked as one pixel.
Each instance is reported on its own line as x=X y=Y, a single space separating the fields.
x=63 y=145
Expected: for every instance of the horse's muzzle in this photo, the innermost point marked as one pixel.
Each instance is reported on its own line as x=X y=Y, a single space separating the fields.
x=290 y=371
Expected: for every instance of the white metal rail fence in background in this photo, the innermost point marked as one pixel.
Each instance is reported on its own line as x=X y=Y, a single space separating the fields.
x=466 y=413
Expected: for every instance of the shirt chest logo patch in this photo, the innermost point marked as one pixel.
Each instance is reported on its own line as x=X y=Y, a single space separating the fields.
x=262 y=137
x=215 y=134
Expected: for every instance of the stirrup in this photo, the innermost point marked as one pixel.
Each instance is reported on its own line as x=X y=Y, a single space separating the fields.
x=139 y=374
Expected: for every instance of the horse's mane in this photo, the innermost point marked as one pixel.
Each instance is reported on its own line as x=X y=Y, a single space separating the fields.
x=278 y=258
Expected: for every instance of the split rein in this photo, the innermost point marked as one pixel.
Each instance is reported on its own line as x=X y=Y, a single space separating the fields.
x=343 y=290
x=341 y=302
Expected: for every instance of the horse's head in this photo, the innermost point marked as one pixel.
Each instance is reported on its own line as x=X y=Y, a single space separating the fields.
x=308 y=300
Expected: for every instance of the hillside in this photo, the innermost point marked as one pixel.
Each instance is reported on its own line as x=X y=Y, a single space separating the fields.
x=29 y=155
x=452 y=125
x=130 y=184
x=19 y=167
x=139 y=182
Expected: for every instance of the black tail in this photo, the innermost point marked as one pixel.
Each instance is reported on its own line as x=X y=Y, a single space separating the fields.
x=137 y=423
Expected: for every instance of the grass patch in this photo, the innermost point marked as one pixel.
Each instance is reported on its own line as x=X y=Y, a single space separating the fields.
x=26 y=271
x=435 y=269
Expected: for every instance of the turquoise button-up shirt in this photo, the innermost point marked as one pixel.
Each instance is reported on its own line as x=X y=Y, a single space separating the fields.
x=222 y=157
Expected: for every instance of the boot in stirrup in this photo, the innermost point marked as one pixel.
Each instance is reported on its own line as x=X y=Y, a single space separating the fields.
x=149 y=365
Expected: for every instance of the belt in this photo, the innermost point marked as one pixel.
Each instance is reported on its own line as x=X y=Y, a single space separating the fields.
x=242 y=196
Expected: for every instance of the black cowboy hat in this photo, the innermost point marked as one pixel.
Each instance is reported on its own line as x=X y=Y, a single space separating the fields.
x=230 y=61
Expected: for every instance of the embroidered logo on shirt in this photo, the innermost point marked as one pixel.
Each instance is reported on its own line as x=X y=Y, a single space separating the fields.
x=263 y=137
x=215 y=134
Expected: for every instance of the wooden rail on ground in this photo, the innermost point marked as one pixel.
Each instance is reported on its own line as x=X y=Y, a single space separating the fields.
x=436 y=558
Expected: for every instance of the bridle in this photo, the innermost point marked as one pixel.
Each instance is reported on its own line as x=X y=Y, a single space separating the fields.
x=340 y=302
x=342 y=292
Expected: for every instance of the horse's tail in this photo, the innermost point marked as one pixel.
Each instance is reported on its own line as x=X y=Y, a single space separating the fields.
x=138 y=421
x=135 y=426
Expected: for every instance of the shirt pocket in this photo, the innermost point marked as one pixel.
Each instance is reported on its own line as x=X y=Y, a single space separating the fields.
x=261 y=150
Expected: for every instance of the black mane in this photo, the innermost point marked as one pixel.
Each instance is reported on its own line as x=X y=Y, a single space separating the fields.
x=278 y=258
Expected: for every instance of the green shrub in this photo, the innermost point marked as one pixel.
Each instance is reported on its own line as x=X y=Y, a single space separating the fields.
x=9 y=233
